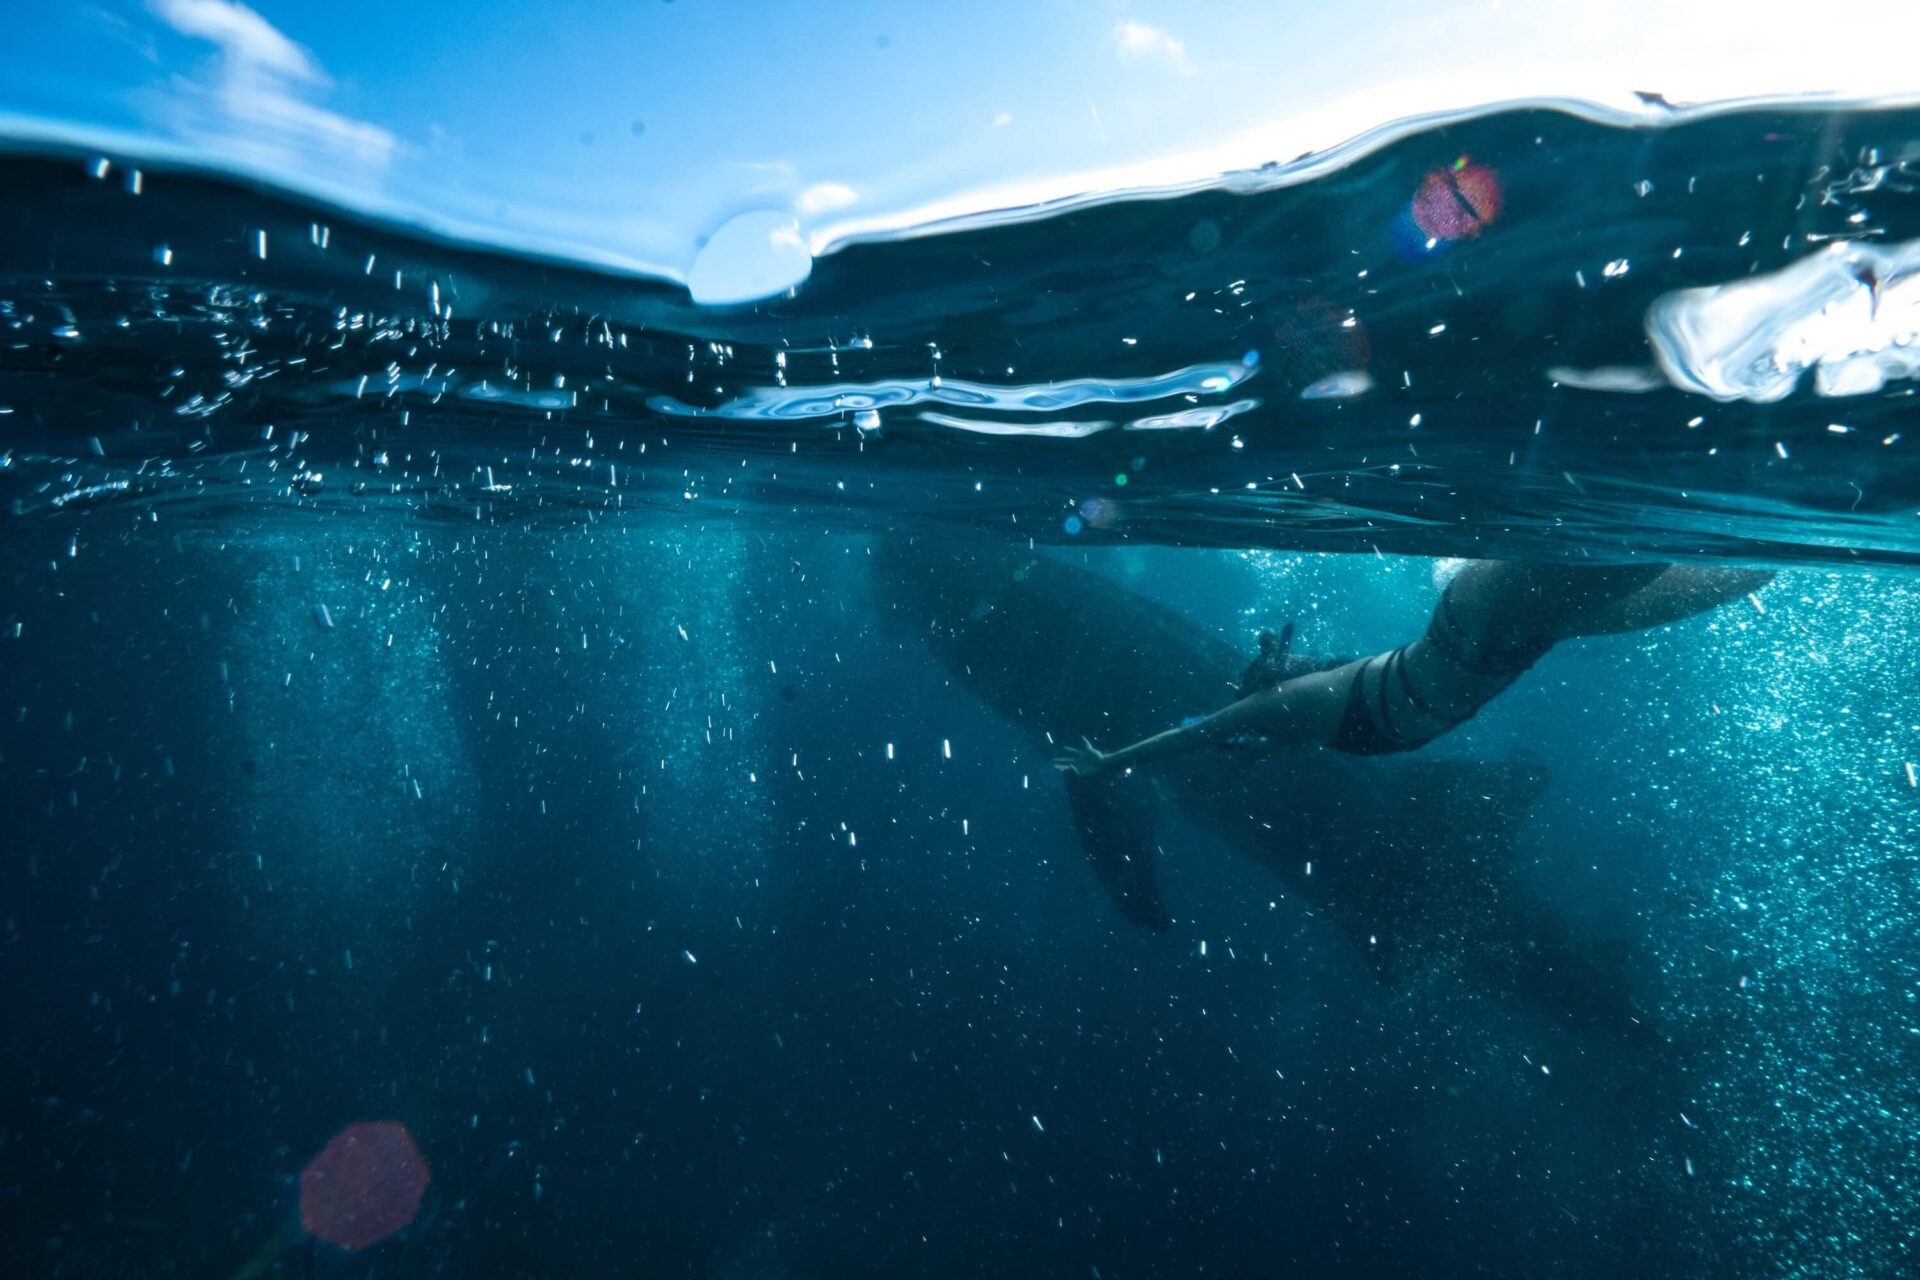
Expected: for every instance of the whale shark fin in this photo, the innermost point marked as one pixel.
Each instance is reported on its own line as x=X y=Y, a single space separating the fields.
x=1116 y=821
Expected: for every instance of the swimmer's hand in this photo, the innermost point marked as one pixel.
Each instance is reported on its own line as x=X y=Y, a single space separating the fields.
x=1086 y=760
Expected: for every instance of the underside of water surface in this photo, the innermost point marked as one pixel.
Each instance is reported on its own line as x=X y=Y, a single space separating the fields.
x=1527 y=333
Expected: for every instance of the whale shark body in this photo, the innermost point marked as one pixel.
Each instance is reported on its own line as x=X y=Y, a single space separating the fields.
x=1412 y=860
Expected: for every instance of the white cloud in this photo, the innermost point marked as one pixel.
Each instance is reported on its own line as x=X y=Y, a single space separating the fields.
x=256 y=100
x=1138 y=40
x=241 y=33
x=825 y=197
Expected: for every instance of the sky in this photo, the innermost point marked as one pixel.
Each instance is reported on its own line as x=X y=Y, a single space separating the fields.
x=630 y=135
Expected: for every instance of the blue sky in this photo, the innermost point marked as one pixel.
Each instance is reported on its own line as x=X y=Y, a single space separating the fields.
x=629 y=133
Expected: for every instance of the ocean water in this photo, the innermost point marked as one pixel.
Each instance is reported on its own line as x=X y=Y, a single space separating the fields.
x=609 y=736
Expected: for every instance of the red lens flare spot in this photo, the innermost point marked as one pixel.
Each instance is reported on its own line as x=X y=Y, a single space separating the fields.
x=1457 y=201
x=364 y=1186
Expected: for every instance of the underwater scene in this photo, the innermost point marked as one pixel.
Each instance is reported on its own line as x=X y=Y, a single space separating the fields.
x=1354 y=718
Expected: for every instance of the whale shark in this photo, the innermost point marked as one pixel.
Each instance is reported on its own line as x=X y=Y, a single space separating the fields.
x=1412 y=860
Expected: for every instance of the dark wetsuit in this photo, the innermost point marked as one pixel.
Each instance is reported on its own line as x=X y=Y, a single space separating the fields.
x=1277 y=663
x=1387 y=712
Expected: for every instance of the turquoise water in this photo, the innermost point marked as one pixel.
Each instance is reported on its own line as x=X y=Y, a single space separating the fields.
x=609 y=735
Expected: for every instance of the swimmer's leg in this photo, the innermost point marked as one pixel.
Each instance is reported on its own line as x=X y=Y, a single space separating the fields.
x=1681 y=592
x=1513 y=604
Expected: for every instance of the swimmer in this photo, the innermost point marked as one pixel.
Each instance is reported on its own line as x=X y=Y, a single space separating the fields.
x=1266 y=670
x=1276 y=664
x=1495 y=619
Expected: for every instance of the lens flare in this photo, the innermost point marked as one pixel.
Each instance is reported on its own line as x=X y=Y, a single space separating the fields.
x=364 y=1186
x=1457 y=201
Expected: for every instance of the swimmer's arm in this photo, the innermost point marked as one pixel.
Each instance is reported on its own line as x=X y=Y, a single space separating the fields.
x=1299 y=713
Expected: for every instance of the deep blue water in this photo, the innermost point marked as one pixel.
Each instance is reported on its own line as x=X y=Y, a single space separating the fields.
x=514 y=702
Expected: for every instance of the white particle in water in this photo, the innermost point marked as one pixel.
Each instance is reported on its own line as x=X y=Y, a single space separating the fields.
x=1339 y=386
